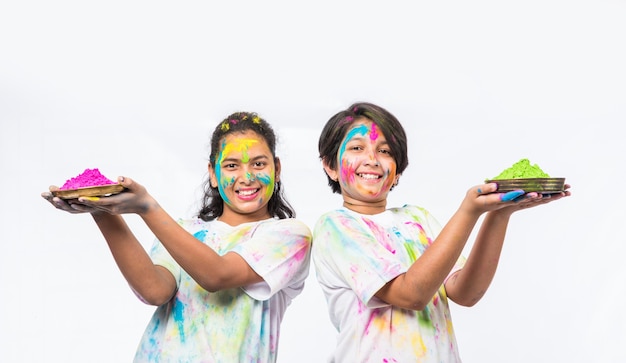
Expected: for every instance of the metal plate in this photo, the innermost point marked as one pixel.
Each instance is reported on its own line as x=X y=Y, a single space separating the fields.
x=541 y=185
x=95 y=191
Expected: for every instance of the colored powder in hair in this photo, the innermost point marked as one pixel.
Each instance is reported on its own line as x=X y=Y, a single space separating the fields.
x=88 y=178
x=522 y=169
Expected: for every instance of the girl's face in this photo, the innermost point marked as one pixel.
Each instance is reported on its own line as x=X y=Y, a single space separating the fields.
x=245 y=175
x=366 y=169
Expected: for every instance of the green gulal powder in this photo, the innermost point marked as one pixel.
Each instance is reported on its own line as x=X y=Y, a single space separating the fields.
x=522 y=169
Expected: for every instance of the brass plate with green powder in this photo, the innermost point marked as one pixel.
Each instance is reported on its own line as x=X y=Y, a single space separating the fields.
x=97 y=191
x=540 y=185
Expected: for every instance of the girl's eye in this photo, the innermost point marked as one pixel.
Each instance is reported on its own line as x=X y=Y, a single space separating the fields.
x=384 y=151
x=356 y=148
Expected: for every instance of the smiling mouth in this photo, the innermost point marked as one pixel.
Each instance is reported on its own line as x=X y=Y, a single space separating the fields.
x=247 y=192
x=369 y=176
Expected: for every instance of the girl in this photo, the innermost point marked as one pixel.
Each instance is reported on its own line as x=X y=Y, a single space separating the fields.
x=223 y=280
x=388 y=273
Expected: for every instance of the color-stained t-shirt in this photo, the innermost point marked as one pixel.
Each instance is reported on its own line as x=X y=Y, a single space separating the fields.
x=232 y=325
x=355 y=255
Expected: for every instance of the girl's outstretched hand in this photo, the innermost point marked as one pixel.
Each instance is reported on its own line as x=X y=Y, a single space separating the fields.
x=70 y=206
x=134 y=199
x=485 y=197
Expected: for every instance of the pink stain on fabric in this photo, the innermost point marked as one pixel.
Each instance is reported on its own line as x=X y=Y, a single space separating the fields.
x=300 y=255
x=88 y=178
x=380 y=235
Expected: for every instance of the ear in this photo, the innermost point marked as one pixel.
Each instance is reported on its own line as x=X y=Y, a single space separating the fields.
x=330 y=172
x=212 y=176
x=277 y=169
x=396 y=179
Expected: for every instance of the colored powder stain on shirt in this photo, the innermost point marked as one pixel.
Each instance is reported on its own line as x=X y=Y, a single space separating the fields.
x=409 y=250
x=200 y=235
x=423 y=239
x=179 y=318
x=380 y=235
x=522 y=169
x=424 y=317
x=300 y=255
x=88 y=178
x=376 y=321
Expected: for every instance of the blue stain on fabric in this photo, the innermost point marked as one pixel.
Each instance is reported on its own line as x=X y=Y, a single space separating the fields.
x=200 y=235
x=177 y=311
x=512 y=195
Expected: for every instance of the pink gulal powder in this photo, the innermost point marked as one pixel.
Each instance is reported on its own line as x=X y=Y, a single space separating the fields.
x=88 y=178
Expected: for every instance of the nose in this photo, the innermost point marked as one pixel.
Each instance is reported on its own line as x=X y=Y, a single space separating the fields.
x=372 y=160
x=247 y=175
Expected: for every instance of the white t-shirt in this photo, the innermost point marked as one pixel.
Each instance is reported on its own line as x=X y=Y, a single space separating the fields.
x=354 y=256
x=233 y=325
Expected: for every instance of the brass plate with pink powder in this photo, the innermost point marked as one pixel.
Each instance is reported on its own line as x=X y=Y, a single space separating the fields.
x=95 y=191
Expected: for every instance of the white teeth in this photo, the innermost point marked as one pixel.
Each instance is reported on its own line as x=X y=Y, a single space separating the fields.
x=246 y=192
x=369 y=176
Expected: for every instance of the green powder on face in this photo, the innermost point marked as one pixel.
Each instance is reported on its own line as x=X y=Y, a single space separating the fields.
x=522 y=169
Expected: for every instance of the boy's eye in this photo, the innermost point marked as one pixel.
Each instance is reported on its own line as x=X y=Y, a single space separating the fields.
x=260 y=164
x=229 y=166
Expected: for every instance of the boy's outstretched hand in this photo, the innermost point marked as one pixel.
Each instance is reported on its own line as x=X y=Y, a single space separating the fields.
x=485 y=198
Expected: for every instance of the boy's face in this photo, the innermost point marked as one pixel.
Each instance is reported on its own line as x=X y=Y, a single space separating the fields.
x=366 y=169
x=245 y=174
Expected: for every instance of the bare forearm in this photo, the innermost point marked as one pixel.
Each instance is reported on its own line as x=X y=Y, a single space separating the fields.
x=441 y=256
x=469 y=285
x=418 y=285
x=153 y=284
x=208 y=268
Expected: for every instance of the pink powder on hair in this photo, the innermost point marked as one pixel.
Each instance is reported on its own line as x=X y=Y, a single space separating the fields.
x=88 y=178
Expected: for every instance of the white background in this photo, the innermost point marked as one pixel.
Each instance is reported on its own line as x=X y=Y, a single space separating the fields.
x=135 y=88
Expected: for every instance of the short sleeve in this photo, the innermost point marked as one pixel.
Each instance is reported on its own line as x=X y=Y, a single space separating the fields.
x=432 y=228
x=279 y=251
x=345 y=248
x=160 y=256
